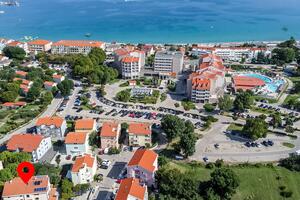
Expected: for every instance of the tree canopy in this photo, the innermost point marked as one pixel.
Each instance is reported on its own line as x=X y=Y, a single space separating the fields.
x=173 y=126
x=243 y=100
x=14 y=52
x=65 y=87
x=225 y=103
x=255 y=128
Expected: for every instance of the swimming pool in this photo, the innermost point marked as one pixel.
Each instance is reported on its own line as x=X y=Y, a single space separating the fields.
x=271 y=85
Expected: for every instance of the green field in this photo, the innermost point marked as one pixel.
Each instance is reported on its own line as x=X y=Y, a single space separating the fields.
x=257 y=183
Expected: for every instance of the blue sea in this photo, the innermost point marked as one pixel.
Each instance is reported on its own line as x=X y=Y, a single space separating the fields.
x=153 y=21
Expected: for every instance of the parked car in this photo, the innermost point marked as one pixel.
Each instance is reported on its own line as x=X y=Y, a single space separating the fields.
x=68 y=157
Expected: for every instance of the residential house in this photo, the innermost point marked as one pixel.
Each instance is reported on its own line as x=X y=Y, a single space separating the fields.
x=51 y=126
x=75 y=46
x=36 y=145
x=14 y=105
x=85 y=125
x=21 y=74
x=58 y=78
x=84 y=169
x=109 y=135
x=37 y=188
x=130 y=189
x=139 y=134
x=143 y=166
x=77 y=143
x=48 y=85
x=37 y=46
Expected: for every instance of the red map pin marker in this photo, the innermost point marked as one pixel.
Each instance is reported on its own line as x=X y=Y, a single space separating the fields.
x=25 y=171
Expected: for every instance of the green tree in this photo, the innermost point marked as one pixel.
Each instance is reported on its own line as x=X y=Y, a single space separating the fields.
x=123 y=95
x=276 y=120
x=187 y=143
x=33 y=93
x=8 y=96
x=47 y=98
x=66 y=189
x=13 y=87
x=224 y=182
x=209 y=107
x=225 y=103
x=281 y=56
x=255 y=128
x=14 y=52
x=173 y=126
x=65 y=87
x=243 y=100
x=97 y=56
x=94 y=139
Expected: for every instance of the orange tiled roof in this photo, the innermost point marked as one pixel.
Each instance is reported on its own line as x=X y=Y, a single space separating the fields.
x=14 y=43
x=57 y=76
x=139 y=129
x=246 y=81
x=39 y=42
x=10 y=104
x=121 y=52
x=132 y=187
x=201 y=84
x=21 y=73
x=78 y=43
x=75 y=138
x=130 y=59
x=17 y=187
x=48 y=121
x=24 y=142
x=84 y=124
x=81 y=161
x=109 y=129
x=144 y=158
x=49 y=83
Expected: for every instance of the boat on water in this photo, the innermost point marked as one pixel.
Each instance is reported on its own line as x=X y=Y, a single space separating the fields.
x=88 y=35
x=9 y=3
x=2 y=12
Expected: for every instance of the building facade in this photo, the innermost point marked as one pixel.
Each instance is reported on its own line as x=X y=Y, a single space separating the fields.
x=75 y=46
x=109 y=135
x=139 y=134
x=51 y=126
x=168 y=62
x=37 y=46
x=77 y=143
x=38 y=188
x=36 y=145
x=143 y=166
x=83 y=169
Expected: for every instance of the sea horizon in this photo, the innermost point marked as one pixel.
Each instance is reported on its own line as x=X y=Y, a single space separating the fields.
x=153 y=21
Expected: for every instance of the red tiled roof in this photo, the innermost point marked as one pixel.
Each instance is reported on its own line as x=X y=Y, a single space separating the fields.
x=49 y=83
x=11 y=104
x=39 y=42
x=130 y=59
x=109 y=129
x=24 y=142
x=144 y=158
x=81 y=161
x=78 y=43
x=139 y=129
x=57 y=76
x=130 y=186
x=14 y=43
x=121 y=52
x=48 y=121
x=247 y=82
x=17 y=187
x=21 y=73
x=84 y=124
x=75 y=138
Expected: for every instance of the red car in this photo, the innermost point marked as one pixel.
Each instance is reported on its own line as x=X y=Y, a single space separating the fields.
x=68 y=157
x=118 y=181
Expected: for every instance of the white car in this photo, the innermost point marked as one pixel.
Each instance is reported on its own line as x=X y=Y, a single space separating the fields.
x=105 y=162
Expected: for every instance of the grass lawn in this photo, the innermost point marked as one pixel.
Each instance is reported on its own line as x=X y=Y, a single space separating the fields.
x=235 y=127
x=262 y=110
x=257 y=183
x=289 y=145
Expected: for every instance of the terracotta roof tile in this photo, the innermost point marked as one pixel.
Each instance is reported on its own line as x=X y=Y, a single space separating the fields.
x=24 y=142
x=139 y=128
x=130 y=59
x=39 y=42
x=78 y=43
x=109 y=129
x=11 y=104
x=81 y=161
x=144 y=158
x=76 y=138
x=48 y=121
x=21 y=73
x=132 y=187
x=84 y=124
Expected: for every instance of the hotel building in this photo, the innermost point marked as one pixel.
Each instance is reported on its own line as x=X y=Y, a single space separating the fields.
x=75 y=46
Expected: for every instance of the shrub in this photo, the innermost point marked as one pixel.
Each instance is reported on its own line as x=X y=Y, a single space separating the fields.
x=209 y=107
x=176 y=105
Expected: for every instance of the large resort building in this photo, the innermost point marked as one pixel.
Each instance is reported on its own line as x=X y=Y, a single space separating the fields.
x=208 y=82
x=75 y=46
x=167 y=62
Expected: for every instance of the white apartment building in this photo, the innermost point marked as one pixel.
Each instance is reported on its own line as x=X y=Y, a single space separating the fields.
x=51 y=126
x=168 y=62
x=38 y=188
x=36 y=46
x=83 y=169
x=36 y=145
x=137 y=91
x=130 y=67
x=75 y=46
x=77 y=143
